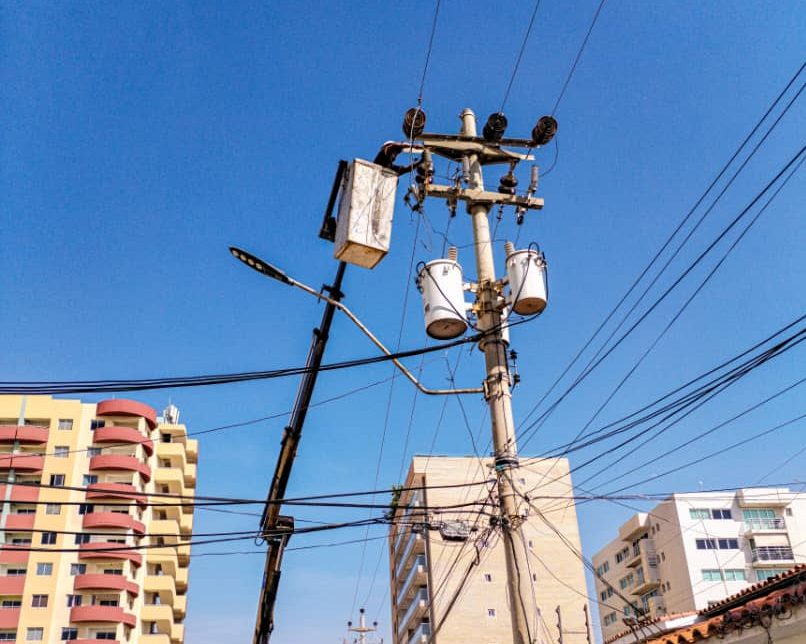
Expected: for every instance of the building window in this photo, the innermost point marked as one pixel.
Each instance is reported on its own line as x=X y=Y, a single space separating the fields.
x=73 y=600
x=69 y=634
x=728 y=544
x=621 y=555
x=610 y=619
x=82 y=538
x=166 y=438
x=603 y=595
x=8 y=636
x=61 y=451
x=93 y=451
x=43 y=569
x=788 y=512
x=711 y=574
x=735 y=574
x=57 y=480
x=53 y=508
x=626 y=582
x=491 y=612
x=663 y=556
x=90 y=479
x=34 y=634
x=706 y=544
x=699 y=513
x=721 y=514
x=769 y=573
x=48 y=538
x=16 y=572
x=65 y=424
x=488 y=577
x=39 y=601
x=603 y=568
x=105 y=635
x=86 y=508
x=97 y=424
x=78 y=569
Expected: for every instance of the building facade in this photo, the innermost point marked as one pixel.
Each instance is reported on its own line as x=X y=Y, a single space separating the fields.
x=448 y=568
x=86 y=553
x=693 y=550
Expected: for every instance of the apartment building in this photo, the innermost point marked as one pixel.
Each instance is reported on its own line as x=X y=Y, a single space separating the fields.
x=693 y=550
x=437 y=596
x=85 y=554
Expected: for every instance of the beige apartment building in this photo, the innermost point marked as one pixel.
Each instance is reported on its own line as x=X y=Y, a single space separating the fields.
x=86 y=555
x=437 y=597
x=693 y=550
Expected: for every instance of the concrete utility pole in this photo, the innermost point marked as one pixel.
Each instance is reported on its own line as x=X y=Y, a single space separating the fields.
x=497 y=392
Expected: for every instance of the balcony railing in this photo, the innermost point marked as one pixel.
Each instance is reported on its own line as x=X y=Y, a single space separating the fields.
x=418 y=568
x=763 y=525
x=415 y=540
x=421 y=634
x=418 y=603
x=772 y=553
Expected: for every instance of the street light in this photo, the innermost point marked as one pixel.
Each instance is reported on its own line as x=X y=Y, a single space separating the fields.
x=264 y=268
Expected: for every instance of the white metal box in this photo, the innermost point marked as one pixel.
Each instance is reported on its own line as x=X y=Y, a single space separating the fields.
x=364 y=224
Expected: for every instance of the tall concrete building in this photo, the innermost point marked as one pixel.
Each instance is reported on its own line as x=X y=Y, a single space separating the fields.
x=85 y=554
x=437 y=597
x=693 y=550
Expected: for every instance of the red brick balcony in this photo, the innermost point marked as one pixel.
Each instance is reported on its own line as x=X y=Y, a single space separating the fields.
x=108 y=550
x=9 y=617
x=120 y=462
x=22 y=462
x=115 y=491
x=119 y=435
x=122 y=407
x=105 y=582
x=112 y=520
x=113 y=614
x=12 y=584
x=24 y=434
x=20 y=522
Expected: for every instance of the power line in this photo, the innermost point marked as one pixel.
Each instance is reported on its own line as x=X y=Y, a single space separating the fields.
x=654 y=259
x=96 y=386
x=518 y=58
x=578 y=57
x=428 y=56
x=792 y=162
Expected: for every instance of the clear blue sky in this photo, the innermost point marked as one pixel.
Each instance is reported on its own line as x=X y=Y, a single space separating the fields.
x=139 y=140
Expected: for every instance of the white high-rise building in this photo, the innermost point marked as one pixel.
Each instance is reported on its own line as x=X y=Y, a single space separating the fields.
x=695 y=549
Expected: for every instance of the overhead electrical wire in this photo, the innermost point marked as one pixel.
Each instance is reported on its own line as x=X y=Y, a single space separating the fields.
x=519 y=57
x=704 y=393
x=577 y=58
x=794 y=161
x=680 y=310
x=654 y=259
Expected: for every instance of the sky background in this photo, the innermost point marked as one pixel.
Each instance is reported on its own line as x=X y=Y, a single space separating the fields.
x=140 y=140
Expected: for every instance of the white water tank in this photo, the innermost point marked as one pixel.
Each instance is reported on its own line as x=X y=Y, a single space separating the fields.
x=440 y=282
x=526 y=270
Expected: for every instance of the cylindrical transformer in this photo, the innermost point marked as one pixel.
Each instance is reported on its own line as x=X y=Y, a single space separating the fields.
x=526 y=270
x=440 y=282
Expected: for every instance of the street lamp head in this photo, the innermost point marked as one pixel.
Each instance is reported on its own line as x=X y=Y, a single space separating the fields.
x=257 y=264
